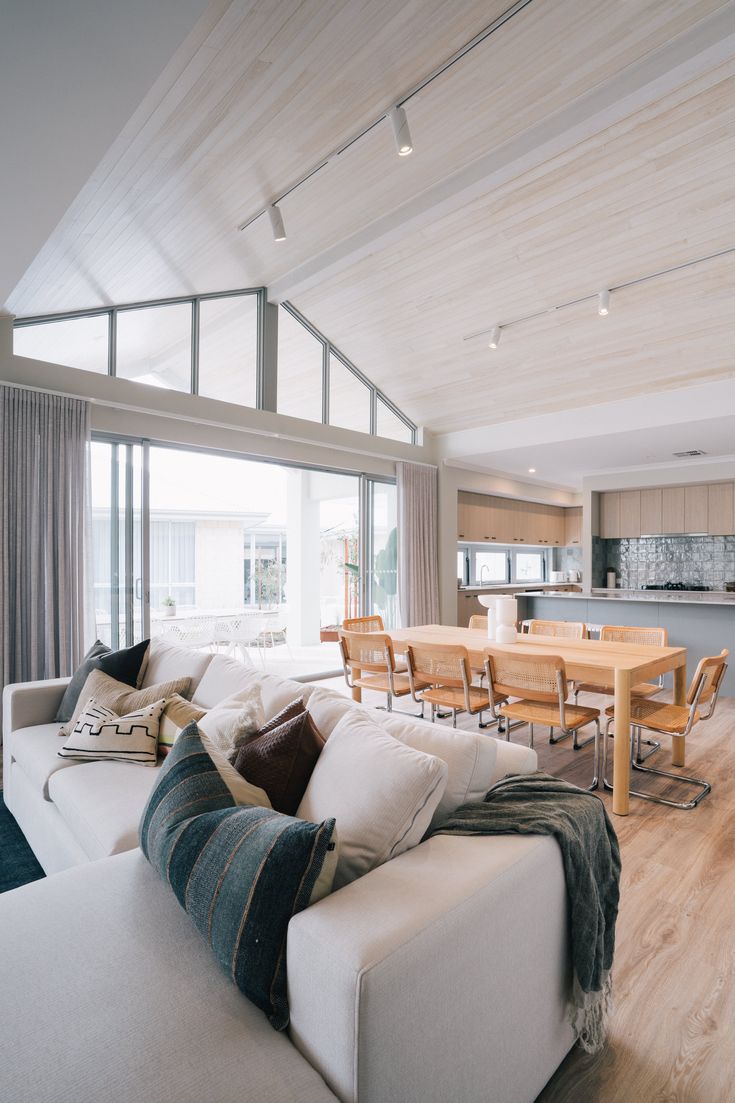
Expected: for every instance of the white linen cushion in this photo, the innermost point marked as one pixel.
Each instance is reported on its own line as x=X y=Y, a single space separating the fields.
x=470 y=758
x=101 y=733
x=230 y=723
x=381 y=793
x=223 y=677
x=327 y=707
x=35 y=750
x=102 y=804
x=167 y=661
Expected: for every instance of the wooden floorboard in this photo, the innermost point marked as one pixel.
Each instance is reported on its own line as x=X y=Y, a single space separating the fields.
x=672 y=1033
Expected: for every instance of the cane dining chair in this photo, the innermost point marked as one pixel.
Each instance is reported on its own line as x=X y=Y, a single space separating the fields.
x=662 y=718
x=369 y=662
x=540 y=684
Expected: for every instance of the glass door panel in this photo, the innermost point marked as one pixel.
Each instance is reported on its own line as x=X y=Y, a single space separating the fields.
x=381 y=589
x=117 y=555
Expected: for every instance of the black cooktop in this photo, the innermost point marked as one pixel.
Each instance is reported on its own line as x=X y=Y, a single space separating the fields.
x=676 y=586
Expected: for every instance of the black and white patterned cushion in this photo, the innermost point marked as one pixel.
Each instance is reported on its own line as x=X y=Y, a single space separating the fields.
x=99 y=733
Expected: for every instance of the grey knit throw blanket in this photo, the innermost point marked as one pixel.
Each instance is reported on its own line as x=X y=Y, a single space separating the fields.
x=538 y=804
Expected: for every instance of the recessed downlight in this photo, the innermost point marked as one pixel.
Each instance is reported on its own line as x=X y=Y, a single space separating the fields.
x=532 y=471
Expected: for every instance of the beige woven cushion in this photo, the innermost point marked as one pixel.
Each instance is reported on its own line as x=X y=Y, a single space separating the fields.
x=177 y=714
x=119 y=697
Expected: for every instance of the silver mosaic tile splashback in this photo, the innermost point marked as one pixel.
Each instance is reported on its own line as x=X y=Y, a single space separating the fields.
x=693 y=560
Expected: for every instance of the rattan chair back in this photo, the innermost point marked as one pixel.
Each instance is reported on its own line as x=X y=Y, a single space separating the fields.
x=439 y=664
x=564 y=629
x=628 y=633
x=705 y=685
x=526 y=675
x=367 y=651
x=364 y=624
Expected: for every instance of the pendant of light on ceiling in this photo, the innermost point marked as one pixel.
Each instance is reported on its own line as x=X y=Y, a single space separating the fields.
x=404 y=145
x=603 y=309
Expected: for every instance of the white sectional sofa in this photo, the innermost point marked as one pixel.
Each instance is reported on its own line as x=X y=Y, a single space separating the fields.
x=441 y=975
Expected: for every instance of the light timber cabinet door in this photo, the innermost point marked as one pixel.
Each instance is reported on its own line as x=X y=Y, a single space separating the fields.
x=696 y=508
x=610 y=515
x=630 y=513
x=651 y=515
x=573 y=526
x=463 y=516
x=672 y=509
x=721 y=509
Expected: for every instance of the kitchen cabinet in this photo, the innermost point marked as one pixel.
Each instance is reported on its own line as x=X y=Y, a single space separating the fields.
x=651 y=507
x=672 y=509
x=630 y=513
x=573 y=526
x=721 y=509
x=696 y=509
x=610 y=515
x=482 y=518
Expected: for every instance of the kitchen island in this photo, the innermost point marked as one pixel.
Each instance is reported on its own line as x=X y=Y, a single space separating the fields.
x=703 y=622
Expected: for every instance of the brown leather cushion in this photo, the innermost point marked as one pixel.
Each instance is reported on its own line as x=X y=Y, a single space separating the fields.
x=281 y=756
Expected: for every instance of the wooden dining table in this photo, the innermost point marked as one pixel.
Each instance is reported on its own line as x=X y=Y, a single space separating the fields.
x=621 y=665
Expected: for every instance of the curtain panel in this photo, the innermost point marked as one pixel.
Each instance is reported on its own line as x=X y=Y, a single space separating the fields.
x=418 y=570
x=43 y=461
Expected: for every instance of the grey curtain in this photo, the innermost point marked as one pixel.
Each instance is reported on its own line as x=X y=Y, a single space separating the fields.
x=418 y=571
x=43 y=458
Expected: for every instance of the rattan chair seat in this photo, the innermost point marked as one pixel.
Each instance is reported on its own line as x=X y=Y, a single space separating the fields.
x=453 y=698
x=643 y=689
x=541 y=712
x=658 y=716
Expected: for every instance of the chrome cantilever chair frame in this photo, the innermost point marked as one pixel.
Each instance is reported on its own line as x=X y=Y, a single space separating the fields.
x=635 y=735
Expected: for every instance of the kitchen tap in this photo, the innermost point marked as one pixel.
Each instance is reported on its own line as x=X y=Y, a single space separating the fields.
x=484 y=567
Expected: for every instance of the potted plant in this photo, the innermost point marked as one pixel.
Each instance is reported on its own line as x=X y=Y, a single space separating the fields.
x=169 y=606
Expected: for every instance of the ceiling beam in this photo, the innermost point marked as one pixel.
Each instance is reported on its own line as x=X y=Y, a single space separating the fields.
x=691 y=54
x=683 y=406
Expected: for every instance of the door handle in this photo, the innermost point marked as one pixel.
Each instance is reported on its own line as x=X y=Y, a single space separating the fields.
x=139 y=589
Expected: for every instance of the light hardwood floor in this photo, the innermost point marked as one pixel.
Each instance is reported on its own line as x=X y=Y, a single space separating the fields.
x=672 y=1035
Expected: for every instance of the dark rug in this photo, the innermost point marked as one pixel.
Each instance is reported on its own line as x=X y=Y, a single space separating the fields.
x=18 y=865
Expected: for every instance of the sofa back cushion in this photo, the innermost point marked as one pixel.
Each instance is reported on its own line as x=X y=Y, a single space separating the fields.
x=381 y=793
x=223 y=678
x=260 y=869
x=470 y=758
x=167 y=661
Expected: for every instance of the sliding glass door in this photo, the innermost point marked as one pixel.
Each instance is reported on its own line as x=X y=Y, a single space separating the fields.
x=244 y=557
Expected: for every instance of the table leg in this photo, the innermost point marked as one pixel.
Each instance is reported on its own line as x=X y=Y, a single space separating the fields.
x=621 y=772
x=356 y=690
x=678 y=742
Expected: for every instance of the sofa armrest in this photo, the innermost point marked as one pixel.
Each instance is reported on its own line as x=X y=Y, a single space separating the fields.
x=514 y=758
x=440 y=975
x=29 y=703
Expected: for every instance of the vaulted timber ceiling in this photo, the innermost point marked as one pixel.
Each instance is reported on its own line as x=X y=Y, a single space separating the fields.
x=270 y=89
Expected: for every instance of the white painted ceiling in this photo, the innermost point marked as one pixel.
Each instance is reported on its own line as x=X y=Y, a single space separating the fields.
x=581 y=146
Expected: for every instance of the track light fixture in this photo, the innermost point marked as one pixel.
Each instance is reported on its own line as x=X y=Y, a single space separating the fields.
x=603 y=303
x=276 y=221
x=494 y=337
x=402 y=134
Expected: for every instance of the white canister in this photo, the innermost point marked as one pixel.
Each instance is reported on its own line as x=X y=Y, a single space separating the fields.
x=490 y=602
x=506 y=615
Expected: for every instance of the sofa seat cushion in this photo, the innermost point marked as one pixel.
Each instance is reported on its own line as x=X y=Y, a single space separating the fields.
x=102 y=804
x=36 y=751
x=111 y=994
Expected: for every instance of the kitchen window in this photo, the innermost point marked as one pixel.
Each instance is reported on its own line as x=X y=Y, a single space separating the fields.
x=478 y=566
x=528 y=566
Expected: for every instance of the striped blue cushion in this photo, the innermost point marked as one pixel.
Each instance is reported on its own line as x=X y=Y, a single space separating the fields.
x=240 y=872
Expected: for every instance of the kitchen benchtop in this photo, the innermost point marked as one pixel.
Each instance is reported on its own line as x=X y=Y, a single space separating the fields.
x=686 y=597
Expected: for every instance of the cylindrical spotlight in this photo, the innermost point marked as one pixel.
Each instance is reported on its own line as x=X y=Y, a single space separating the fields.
x=494 y=337
x=603 y=303
x=276 y=220
x=401 y=132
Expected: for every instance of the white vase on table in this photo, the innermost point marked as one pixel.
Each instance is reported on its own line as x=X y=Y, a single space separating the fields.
x=506 y=616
